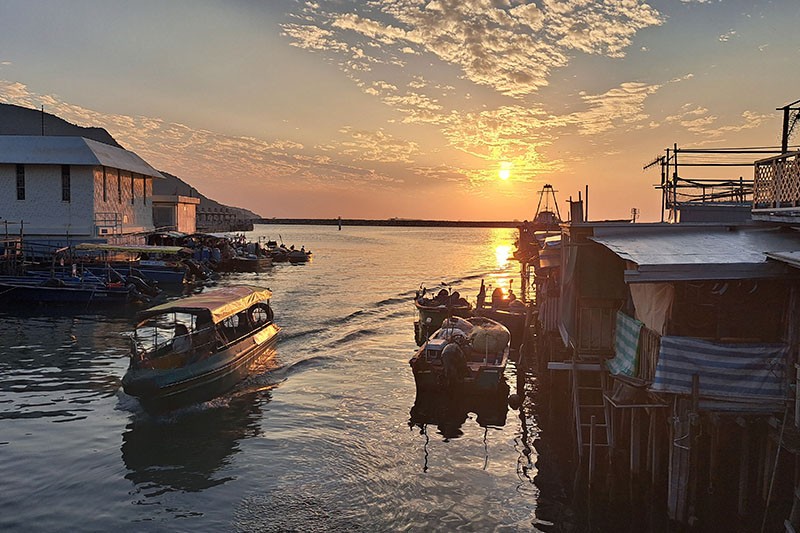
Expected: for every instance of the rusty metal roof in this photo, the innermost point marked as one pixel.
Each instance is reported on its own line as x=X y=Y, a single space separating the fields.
x=672 y=252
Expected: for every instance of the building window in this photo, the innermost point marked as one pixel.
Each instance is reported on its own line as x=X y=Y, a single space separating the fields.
x=65 y=185
x=20 y=182
x=105 y=185
x=144 y=188
x=133 y=195
x=119 y=186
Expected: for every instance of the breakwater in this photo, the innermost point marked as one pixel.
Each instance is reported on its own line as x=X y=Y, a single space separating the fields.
x=401 y=222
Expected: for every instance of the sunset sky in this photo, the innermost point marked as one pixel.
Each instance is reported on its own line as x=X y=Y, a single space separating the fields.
x=400 y=108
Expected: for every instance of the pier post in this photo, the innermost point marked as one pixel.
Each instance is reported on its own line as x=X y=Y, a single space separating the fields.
x=743 y=466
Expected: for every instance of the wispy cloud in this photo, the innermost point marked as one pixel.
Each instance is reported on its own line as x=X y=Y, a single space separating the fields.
x=377 y=146
x=206 y=157
x=510 y=48
x=622 y=105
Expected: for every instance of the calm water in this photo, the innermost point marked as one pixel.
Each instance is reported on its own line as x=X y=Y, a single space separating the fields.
x=322 y=441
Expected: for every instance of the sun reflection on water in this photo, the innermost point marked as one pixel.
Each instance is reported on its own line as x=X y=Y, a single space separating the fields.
x=502 y=252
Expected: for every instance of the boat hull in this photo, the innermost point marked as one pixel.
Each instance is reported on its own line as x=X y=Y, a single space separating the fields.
x=11 y=292
x=482 y=379
x=164 y=390
x=242 y=264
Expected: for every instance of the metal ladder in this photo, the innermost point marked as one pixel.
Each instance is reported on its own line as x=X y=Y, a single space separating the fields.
x=590 y=410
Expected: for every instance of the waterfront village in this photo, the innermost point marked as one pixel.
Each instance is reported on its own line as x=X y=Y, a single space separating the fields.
x=671 y=346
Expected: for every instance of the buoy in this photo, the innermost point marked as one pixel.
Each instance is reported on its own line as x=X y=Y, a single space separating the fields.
x=514 y=401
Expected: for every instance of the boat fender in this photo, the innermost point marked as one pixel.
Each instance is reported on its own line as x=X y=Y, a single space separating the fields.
x=514 y=401
x=253 y=314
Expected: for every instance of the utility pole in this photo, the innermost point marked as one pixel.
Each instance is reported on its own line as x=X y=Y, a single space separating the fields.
x=788 y=124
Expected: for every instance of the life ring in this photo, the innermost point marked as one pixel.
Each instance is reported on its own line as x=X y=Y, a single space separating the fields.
x=259 y=314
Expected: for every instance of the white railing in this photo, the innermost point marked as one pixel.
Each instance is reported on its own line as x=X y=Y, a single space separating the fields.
x=776 y=184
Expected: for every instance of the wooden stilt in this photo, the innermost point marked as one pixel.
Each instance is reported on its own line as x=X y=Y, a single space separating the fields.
x=744 y=470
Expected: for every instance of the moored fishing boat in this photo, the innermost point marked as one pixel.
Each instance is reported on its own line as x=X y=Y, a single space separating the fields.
x=431 y=312
x=196 y=348
x=506 y=309
x=464 y=355
x=37 y=290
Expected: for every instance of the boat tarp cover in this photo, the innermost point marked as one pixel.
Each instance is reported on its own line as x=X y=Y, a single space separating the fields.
x=132 y=248
x=220 y=303
x=626 y=345
x=726 y=371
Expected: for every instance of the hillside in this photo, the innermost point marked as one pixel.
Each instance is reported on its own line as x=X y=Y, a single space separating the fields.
x=17 y=120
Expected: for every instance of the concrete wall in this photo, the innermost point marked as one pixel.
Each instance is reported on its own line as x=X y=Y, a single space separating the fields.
x=130 y=209
x=43 y=212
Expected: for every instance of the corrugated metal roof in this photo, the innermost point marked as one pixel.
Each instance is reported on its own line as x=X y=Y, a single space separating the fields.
x=718 y=252
x=58 y=150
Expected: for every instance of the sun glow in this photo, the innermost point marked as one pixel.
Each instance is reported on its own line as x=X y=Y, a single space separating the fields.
x=505 y=170
x=502 y=253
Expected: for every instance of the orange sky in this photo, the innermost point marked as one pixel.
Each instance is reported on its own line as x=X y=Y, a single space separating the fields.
x=405 y=109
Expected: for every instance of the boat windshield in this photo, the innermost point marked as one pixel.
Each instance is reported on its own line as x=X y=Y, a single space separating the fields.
x=168 y=330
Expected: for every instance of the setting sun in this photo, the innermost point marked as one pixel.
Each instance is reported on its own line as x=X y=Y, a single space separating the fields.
x=505 y=171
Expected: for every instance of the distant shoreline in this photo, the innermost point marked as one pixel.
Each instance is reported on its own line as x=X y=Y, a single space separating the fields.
x=391 y=222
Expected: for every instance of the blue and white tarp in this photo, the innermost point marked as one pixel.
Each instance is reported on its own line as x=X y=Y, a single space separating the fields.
x=626 y=346
x=726 y=371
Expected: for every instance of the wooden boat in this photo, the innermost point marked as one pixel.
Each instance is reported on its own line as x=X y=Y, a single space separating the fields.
x=510 y=312
x=240 y=263
x=196 y=348
x=431 y=312
x=163 y=264
x=464 y=355
x=39 y=290
x=299 y=256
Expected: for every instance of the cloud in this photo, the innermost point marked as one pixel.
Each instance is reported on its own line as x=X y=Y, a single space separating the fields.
x=698 y=120
x=622 y=105
x=377 y=146
x=510 y=49
x=207 y=158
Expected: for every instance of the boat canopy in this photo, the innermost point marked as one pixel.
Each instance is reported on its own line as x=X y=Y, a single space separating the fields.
x=219 y=303
x=133 y=248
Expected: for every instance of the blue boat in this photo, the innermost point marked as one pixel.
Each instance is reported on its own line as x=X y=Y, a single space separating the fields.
x=35 y=290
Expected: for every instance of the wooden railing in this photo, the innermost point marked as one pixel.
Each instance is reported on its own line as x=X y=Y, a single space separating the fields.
x=777 y=183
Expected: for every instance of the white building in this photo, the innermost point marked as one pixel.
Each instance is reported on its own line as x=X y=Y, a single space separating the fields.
x=70 y=189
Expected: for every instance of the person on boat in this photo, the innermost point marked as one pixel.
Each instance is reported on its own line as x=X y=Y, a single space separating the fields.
x=511 y=296
x=441 y=297
x=182 y=342
x=497 y=297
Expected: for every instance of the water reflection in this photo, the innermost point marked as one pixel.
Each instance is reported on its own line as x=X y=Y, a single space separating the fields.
x=183 y=451
x=449 y=413
x=502 y=253
x=54 y=367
